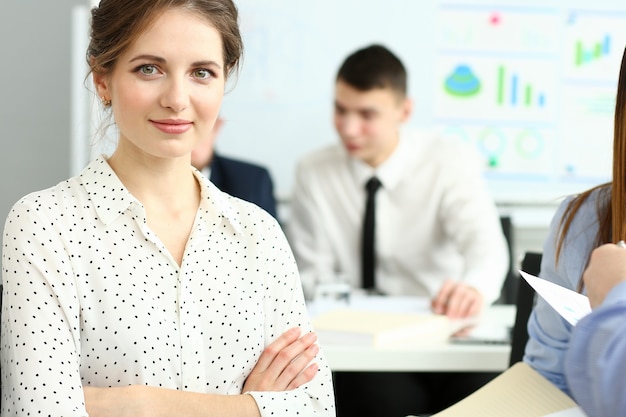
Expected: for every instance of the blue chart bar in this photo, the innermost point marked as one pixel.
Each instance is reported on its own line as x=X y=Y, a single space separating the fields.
x=514 y=89
x=606 y=45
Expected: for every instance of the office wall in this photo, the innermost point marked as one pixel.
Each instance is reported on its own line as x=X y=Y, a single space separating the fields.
x=35 y=96
x=540 y=115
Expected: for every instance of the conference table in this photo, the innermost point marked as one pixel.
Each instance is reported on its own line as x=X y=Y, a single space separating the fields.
x=486 y=349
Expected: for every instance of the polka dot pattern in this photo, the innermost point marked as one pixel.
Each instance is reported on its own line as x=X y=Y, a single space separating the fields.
x=92 y=297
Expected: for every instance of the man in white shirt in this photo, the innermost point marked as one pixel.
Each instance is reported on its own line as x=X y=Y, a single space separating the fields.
x=437 y=232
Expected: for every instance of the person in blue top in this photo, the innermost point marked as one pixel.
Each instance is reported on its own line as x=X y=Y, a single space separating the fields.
x=596 y=357
x=582 y=223
x=245 y=180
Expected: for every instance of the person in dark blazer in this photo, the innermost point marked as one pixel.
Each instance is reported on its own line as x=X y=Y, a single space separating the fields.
x=245 y=180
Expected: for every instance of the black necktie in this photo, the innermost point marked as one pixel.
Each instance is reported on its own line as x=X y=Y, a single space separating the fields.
x=367 y=260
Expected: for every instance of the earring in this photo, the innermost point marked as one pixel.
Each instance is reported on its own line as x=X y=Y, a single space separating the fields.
x=106 y=102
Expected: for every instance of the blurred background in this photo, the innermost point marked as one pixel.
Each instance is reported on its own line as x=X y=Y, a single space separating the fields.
x=530 y=84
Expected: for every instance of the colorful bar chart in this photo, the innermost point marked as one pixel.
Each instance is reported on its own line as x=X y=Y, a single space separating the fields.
x=597 y=50
x=519 y=94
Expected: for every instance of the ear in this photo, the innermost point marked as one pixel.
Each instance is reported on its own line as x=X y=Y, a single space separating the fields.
x=219 y=122
x=101 y=83
x=407 y=109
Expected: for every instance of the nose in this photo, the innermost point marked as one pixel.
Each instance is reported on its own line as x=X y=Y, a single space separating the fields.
x=175 y=94
x=348 y=125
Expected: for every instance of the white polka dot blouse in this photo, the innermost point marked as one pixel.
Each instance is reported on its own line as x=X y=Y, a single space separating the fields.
x=92 y=297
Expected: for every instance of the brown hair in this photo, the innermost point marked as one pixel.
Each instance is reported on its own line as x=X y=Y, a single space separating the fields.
x=372 y=67
x=611 y=196
x=116 y=24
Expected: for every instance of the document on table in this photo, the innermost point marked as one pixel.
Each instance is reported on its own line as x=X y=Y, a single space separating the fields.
x=520 y=391
x=373 y=320
x=385 y=303
x=571 y=305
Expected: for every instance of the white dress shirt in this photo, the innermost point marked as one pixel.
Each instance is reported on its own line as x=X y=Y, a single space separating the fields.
x=93 y=297
x=435 y=219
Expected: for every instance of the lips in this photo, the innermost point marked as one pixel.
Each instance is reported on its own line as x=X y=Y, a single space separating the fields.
x=172 y=127
x=352 y=147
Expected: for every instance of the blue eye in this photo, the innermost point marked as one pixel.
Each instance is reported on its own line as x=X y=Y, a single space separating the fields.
x=148 y=69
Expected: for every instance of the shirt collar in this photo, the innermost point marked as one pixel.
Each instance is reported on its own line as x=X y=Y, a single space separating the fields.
x=389 y=172
x=111 y=198
x=215 y=204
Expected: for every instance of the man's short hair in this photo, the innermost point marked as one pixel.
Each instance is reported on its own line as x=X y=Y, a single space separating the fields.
x=373 y=67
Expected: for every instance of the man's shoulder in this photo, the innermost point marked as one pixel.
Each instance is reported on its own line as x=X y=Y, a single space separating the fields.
x=431 y=148
x=324 y=158
x=429 y=140
x=229 y=163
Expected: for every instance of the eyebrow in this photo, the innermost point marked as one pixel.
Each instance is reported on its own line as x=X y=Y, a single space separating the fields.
x=162 y=60
x=361 y=110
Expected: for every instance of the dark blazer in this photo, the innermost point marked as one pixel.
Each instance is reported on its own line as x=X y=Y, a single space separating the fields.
x=244 y=180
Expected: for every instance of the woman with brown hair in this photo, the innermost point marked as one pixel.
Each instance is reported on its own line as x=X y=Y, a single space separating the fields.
x=582 y=223
x=137 y=288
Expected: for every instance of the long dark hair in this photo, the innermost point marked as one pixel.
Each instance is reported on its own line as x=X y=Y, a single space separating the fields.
x=610 y=204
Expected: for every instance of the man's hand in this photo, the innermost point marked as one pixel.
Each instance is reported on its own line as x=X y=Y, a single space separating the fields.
x=607 y=268
x=284 y=364
x=457 y=300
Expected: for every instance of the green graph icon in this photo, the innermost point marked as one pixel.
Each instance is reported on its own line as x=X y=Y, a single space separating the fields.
x=584 y=55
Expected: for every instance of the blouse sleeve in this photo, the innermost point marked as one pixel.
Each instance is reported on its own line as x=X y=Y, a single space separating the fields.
x=549 y=333
x=596 y=359
x=285 y=308
x=40 y=319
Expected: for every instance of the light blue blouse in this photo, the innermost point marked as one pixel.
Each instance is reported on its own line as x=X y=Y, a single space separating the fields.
x=596 y=358
x=549 y=333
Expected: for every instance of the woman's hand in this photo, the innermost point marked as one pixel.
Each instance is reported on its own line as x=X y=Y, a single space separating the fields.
x=606 y=269
x=457 y=300
x=284 y=364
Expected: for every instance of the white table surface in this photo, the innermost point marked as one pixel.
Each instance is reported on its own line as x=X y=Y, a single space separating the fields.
x=443 y=357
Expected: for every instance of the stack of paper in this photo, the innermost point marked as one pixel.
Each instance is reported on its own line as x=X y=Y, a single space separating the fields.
x=381 y=328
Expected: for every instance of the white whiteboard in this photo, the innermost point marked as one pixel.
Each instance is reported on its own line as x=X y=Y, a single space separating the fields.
x=542 y=120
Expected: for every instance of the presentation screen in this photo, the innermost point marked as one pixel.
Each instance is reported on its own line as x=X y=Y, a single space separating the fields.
x=532 y=89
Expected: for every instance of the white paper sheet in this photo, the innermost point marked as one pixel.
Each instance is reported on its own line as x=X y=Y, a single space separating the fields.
x=571 y=305
x=570 y=412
